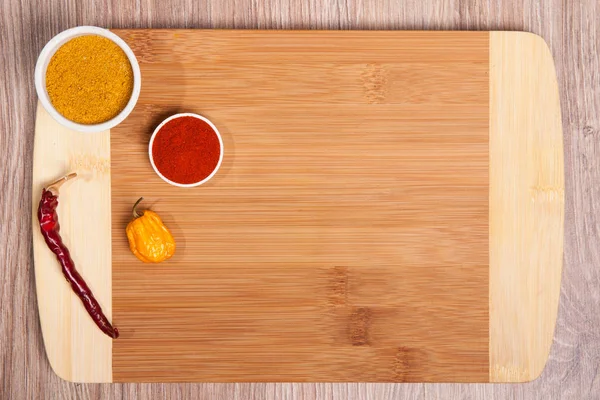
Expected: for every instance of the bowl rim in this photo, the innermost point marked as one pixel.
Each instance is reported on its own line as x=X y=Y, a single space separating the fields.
x=175 y=116
x=42 y=65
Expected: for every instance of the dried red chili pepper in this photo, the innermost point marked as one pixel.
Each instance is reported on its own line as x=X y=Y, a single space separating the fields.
x=50 y=231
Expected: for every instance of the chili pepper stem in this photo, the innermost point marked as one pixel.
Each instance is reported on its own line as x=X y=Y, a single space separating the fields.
x=54 y=186
x=135 y=213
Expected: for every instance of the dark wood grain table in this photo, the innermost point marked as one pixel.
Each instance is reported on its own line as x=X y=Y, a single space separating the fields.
x=572 y=30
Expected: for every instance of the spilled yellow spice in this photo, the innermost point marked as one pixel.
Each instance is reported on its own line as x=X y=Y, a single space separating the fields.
x=89 y=79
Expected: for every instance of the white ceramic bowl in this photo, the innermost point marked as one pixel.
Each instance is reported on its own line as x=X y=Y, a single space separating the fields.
x=186 y=185
x=42 y=65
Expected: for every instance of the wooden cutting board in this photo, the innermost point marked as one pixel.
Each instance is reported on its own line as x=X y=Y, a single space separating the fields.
x=389 y=209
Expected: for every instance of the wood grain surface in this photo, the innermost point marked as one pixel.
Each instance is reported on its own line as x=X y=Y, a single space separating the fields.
x=526 y=205
x=344 y=238
x=574 y=40
x=81 y=354
x=348 y=238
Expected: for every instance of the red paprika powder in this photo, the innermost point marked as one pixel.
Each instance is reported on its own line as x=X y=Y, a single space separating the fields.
x=186 y=150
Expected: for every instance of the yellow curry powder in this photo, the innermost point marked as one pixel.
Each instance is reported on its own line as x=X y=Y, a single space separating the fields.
x=89 y=79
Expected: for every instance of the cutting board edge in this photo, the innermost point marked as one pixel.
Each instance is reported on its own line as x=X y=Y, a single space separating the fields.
x=524 y=252
x=76 y=349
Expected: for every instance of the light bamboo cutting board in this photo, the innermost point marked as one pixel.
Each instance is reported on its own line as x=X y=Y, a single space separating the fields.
x=389 y=209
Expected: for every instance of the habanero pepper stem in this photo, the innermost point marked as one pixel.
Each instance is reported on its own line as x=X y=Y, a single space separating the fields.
x=50 y=231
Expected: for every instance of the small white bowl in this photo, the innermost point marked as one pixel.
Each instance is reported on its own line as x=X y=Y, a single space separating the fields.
x=42 y=65
x=185 y=185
